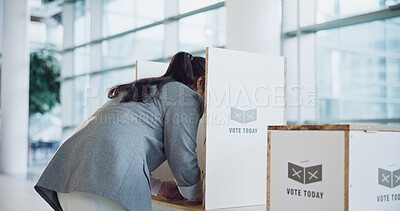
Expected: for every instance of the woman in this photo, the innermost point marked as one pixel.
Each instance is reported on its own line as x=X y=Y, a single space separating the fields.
x=106 y=163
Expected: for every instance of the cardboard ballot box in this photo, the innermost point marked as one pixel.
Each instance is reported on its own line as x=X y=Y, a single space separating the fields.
x=333 y=167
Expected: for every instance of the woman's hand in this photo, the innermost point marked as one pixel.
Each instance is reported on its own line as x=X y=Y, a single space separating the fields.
x=169 y=190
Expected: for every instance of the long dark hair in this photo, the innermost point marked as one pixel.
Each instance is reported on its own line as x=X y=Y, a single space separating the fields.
x=183 y=68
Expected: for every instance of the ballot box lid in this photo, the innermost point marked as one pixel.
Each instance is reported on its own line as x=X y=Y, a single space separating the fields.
x=346 y=127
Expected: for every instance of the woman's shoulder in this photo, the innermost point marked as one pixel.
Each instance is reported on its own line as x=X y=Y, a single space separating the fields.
x=176 y=91
x=175 y=85
x=178 y=95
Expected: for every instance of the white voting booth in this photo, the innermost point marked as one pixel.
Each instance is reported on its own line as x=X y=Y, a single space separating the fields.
x=334 y=167
x=245 y=93
x=147 y=69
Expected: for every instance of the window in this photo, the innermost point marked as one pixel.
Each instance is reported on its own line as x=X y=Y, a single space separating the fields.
x=81 y=60
x=55 y=35
x=354 y=72
x=190 y=5
x=81 y=85
x=356 y=67
x=125 y=50
x=123 y=15
x=37 y=32
x=121 y=12
x=110 y=35
x=115 y=77
x=81 y=22
x=334 y=9
x=150 y=11
x=205 y=29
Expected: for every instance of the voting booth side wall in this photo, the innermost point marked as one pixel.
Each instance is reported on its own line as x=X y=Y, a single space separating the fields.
x=147 y=69
x=374 y=173
x=245 y=92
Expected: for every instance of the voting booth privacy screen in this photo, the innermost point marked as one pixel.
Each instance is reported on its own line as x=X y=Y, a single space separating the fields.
x=245 y=92
x=334 y=167
x=147 y=69
x=287 y=167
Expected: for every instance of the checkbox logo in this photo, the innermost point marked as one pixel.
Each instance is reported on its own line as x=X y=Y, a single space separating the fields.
x=305 y=175
x=243 y=116
x=390 y=179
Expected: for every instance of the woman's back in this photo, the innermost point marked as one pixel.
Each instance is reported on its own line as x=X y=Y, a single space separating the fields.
x=113 y=151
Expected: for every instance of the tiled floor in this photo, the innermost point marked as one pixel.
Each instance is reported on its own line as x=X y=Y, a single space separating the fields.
x=17 y=194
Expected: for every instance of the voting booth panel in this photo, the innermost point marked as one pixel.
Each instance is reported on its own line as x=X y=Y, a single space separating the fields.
x=301 y=164
x=245 y=93
x=147 y=69
x=374 y=176
x=333 y=167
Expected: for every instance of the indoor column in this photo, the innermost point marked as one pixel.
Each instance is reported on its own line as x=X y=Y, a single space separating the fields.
x=14 y=88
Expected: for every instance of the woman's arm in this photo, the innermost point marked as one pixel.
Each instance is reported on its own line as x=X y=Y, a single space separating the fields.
x=166 y=189
x=180 y=131
x=155 y=185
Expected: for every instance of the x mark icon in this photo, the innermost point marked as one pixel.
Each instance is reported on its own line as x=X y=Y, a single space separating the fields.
x=296 y=173
x=250 y=116
x=397 y=178
x=385 y=178
x=312 y=175
x=237 y=115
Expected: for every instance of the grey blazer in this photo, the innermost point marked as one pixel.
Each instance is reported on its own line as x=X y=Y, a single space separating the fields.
x=112 y=153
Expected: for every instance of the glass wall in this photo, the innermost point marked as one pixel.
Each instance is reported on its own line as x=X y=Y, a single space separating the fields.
x=355 y=72
x=147 y=44
x=204 y=29
x=110 y=35
x=81 y=85
x=356 y=66
x=190 y=5
x=334 y=9
x=81 y=60
x=112 y=78
x=81 y=22
x=37 y=32
x=130 y=14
